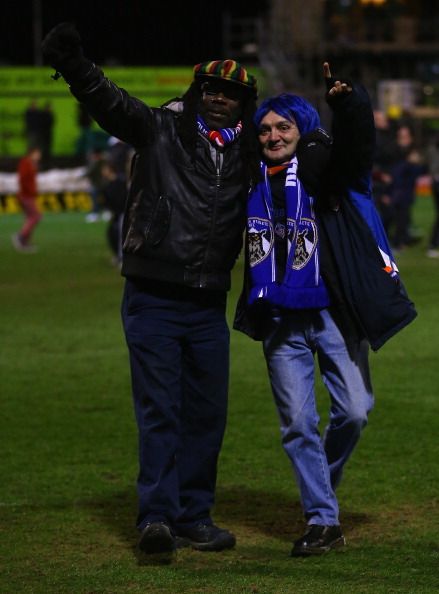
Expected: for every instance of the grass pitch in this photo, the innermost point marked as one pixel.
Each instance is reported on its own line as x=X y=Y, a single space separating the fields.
x=69 y=455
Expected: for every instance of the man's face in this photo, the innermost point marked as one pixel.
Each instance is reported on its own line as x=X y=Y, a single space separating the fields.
x=278 y=137
x=221 y=104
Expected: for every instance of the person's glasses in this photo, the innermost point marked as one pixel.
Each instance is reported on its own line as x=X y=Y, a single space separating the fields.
x=230 y=90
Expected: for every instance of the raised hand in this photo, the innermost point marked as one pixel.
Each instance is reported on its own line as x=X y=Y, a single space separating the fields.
x=334 y=86
x=62 y=47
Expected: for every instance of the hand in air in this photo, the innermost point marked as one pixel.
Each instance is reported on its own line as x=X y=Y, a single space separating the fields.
x=62 y=46
x=338 y=87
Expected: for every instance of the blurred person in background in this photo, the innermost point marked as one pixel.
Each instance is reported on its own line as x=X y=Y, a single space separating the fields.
x=39 y=129
x=96 y=159
x=433 y=169
x=406 y=167
x=116 y=172
x=27 y=198
x=382 y=161
x=46 y=135
x=114 y=192
x=90 y=137
x=320 y=280
x=120 y=155
x=182 y=233
x=32 y=124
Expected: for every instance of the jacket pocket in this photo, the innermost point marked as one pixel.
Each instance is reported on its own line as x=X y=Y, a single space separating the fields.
x=157 y=226
x=148 y=219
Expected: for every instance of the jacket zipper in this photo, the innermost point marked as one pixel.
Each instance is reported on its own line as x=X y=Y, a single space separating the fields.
x=215 y=204
x=218 y=170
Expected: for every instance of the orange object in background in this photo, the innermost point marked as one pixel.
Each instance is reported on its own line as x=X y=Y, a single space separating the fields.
x=423 y=187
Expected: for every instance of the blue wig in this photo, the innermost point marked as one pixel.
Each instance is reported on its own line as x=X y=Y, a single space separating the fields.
x=291 y=107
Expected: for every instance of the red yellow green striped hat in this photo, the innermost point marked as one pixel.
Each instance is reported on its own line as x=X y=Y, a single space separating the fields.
x=228 y=70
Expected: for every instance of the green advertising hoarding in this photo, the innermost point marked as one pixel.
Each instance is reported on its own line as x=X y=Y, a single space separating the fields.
x=20 y=86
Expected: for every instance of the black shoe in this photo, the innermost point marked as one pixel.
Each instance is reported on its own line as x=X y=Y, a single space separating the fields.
x=318 y=540
x=157 y=537
x=205 y=537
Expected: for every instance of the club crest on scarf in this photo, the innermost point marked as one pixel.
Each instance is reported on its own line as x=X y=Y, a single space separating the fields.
x=306 y=243
x=260 y=239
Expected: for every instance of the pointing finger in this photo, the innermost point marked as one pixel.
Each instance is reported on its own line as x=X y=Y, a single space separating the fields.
x=326 y=70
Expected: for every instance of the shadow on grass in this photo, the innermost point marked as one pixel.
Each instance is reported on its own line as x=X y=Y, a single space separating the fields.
x=250 y=511
x=272 y=514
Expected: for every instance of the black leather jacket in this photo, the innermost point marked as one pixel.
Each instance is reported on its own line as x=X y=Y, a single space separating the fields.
x=184 y=219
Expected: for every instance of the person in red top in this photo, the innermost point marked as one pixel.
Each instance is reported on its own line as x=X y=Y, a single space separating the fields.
x=27 y=198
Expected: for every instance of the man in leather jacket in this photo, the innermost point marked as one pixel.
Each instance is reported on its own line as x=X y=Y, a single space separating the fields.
x=183 y=226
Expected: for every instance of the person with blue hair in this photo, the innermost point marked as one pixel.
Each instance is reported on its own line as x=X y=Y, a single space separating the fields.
x=290 y=106
x=320 y=280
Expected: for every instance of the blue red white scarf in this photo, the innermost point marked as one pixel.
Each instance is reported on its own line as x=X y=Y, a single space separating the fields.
x=302 y=286
x=219 y=137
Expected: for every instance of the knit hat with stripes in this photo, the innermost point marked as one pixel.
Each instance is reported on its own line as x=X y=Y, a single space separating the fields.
x=227 y=70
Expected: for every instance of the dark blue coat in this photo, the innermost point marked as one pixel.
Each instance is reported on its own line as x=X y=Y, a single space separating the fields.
x=368 y=299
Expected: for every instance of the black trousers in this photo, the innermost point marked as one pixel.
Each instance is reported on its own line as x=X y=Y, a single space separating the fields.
x=178 y=342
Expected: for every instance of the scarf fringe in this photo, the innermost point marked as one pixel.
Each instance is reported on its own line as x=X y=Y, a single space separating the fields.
x=291 y=297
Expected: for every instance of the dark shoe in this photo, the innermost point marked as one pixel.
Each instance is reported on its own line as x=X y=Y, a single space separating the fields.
x=318 y=540
x=205 y=537
x=156 y=537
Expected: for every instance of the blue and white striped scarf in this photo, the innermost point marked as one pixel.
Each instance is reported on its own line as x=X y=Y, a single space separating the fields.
x=302 y=286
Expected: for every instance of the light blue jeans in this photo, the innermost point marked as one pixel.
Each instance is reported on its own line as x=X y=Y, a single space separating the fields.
x=294 y=339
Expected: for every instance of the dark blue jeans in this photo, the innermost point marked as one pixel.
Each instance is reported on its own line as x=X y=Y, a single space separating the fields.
x=178 y=342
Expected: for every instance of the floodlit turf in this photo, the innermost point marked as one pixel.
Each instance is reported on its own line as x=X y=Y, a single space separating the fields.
x=68 y=455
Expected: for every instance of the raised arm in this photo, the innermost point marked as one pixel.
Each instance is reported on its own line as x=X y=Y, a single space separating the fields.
x=113 y=108
x=353 y=129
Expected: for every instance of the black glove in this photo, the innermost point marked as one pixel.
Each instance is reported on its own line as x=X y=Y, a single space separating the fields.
x=313 y=155
x=62 y=49
x=339 y=98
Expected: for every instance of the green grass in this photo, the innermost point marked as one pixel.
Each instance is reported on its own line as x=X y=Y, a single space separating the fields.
x=69 y=459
